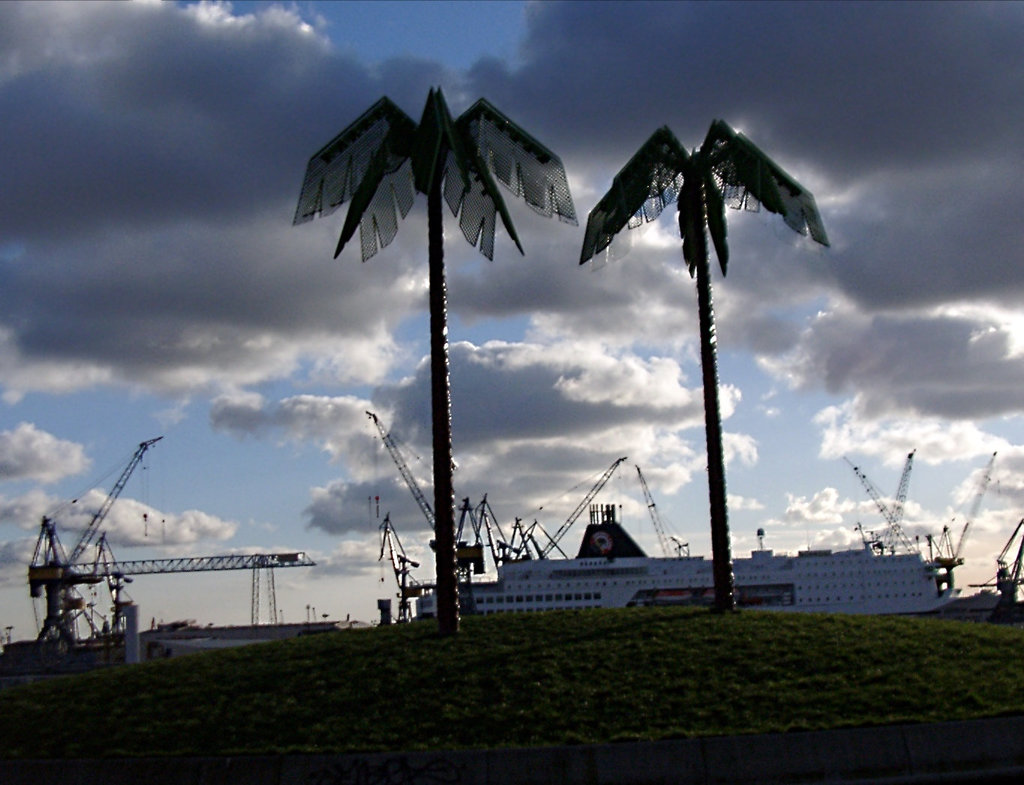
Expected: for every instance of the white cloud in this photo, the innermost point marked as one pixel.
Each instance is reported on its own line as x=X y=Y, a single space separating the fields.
x=847 y=431
x=29 y=453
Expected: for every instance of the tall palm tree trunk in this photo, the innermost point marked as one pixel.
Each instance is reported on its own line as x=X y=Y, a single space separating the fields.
x=721 y=552
x=447 y=591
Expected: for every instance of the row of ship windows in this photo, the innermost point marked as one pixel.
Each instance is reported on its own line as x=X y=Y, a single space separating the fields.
x=511 y=609
x=868 y=583
x=868 y=597
x=499 y=600
x=848 y=573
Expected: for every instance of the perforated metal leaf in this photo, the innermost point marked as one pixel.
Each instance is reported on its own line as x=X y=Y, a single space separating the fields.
x=525 y=166
x=748 y=179
x=336 y=170
x=490 y=147
x=378 y=222
x=475 y=208
x=643 y=188
x=365 y=163
x=383 y=158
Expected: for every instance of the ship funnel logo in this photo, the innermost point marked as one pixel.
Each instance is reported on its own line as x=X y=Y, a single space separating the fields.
x=601 y=542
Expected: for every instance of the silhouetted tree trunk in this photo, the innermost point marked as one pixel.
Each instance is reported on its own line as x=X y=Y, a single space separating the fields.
x=447 y=591
x=721 y=551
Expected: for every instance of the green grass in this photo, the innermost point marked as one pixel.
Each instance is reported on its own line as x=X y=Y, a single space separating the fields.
x=522 y=680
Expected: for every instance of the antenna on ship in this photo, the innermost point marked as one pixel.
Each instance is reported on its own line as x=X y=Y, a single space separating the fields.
x=760 y=539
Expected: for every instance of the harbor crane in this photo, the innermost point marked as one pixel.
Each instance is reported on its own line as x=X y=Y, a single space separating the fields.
x=403 y=469
x=1008 y=580
x=947 y=557
x=893 y=537
x=469 y=556
x=652 y=508
x=523 y=544
x=502 y=549
x=117 y=573
x=553 y=541
x=408 y=587
x=58 y=575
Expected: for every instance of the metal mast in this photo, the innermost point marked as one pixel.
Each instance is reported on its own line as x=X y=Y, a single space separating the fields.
x=580 y=508
x=894 y=535
x=403 y=469
x=655 y=516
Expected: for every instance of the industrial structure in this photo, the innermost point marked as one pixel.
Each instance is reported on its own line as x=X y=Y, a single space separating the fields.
x=947 y=556
x=74 y=634
x=893 y=538
x=56 y=573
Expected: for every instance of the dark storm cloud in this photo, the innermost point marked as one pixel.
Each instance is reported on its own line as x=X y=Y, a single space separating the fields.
x=903 y=119
x=152 y=156
x=14 y=555
x=945 y=366
x=344 y=507
x=150 y=159
x=851 y=84
x=145 y=114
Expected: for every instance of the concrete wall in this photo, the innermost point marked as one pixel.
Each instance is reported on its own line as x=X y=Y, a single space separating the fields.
x=988 y=752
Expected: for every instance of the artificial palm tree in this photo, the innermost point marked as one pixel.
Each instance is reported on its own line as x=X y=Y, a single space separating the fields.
x=727 y=169
x=379 y=162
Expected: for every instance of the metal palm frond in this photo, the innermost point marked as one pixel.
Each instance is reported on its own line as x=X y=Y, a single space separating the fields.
x=730 y=170
x=744 y=177
x=524 y=165
x=492 y=144
x=381 y=160
x=642 y=189
x=366 y=163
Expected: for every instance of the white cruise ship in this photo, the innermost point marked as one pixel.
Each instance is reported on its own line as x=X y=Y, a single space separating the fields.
x=612 y=571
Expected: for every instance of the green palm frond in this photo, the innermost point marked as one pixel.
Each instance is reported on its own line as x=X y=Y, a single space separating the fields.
x=648 y=183
x=489 y=143
x=383 y=134
x=749 y=178
x=525 y=166
x=381 y=160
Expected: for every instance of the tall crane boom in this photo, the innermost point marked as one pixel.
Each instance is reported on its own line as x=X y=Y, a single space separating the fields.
x=117 y=573
x=403 y=469
x=894 y=534
x=199 y=564
x=553 y=541
x=652 y=508
x=90 y=531
x=983 y=484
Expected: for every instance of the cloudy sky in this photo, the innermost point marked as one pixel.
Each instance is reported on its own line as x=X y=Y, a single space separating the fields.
x=152 y=282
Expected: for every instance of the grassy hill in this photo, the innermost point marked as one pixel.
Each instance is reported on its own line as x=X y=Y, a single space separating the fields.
x=532 y=679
